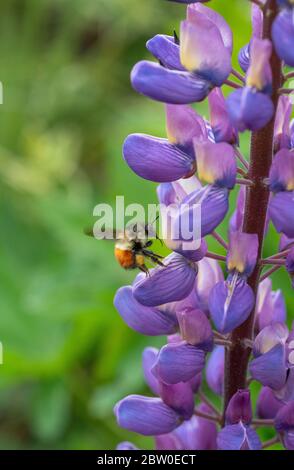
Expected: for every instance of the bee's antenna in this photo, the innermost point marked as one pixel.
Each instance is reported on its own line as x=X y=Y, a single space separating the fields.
x=156 y=234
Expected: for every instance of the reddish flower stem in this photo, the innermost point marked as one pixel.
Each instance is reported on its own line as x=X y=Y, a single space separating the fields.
x=269 y=272
x=257 y=198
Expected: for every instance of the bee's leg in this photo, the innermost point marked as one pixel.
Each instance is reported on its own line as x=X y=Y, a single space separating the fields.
x=144 y=269
x=154 y=258
x=151 y=254
x=148 y=243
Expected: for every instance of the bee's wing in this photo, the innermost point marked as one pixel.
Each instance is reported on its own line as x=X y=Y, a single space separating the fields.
x=107 y=234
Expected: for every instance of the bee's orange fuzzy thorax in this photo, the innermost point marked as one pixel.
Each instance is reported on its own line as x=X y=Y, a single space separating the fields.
x=125 y=258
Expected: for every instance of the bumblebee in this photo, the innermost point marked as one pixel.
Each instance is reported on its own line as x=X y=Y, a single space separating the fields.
x=131 y=248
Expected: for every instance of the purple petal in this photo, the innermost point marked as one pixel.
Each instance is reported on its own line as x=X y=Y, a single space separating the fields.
x=216 y=163
x=209 y=59
x=267 y=405
x=148 y=359
x=281 y=211
x=270 y=368
x=269 y=337
x=249 y=109
x=214 y=206
x=220 y=122
x=236 y=221
x=244 y=57
x=168 y=441
x=168 y=86
x=195 y=328
x=166 y=51
x=259 y=75
x=282 y=124
x=283 y=36
x=145 y=320
x=239 y=408
x=223 y=27
x=238 y=437
x=169 y=283
x=195 y=253
x=178 y=362
x=282 y=171
x=242 y=253
x=270 y=305
x=198 y=433
x=257 y=25
x=145 y=415
x=126 y=446
x=230 y=304
x=285 y=242
x=215 y=370
x=156 y=159
x=209 y=273
x=179 y=397
x=183 y=124
x=285 y=418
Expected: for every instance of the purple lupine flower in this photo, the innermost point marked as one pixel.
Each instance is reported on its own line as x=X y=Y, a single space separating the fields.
x=251 y=107
x=145 y=415
x=179 y=396
x=211 y=61
x=220 y=174
x=215 y=370
x=146 y=320
x=283 y=35
x=169 y=283
x=284 y=424
x=242 y=253
x=267 y=405
x=194 y=434
x=282 y=171
x=166 y=160
x=198 y=433
x=222 y=128
x=231 y=302
x=178 y=362
x=269 y=365
x=281 y=208
x=204 y=66
x=237 y=434
x=195 y=328
x=214 y=204
x=209 y=274
x=270 y=305
x=212 y=169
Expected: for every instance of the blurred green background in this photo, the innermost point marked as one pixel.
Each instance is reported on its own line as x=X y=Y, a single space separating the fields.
x=68 y=105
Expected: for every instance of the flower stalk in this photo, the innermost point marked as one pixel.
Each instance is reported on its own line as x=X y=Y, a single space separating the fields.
x=256 y=205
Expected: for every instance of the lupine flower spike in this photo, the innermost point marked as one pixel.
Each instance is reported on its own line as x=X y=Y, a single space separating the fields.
x=222 y=324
